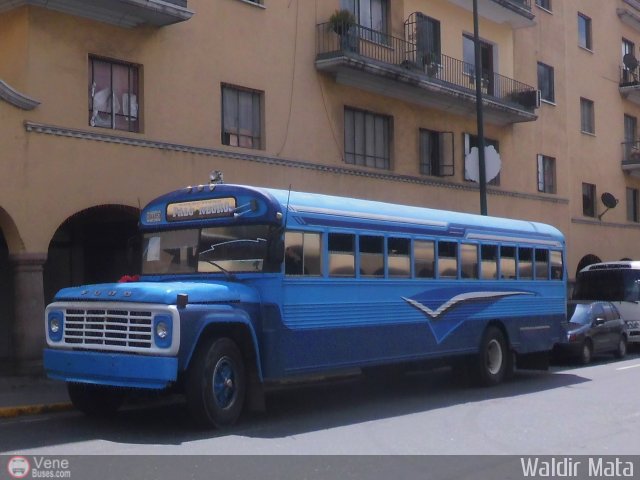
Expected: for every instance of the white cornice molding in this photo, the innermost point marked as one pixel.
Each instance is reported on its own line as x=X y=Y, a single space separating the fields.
x=15 y=98
x=33 y=127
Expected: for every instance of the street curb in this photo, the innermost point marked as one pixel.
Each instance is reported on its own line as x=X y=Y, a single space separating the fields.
x=12 y=412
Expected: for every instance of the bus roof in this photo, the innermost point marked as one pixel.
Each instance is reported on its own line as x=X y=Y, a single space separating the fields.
x=313 y=208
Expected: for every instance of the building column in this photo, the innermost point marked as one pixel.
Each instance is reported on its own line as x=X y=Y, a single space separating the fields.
x=28 y=325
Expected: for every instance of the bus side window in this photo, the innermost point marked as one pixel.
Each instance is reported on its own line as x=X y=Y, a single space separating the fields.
x=341 y=255
x=371 y=256
x=398 y=257
x=424 y=258
x=302 y=254
x=469 y=260
x=556 y=265
x=542 y=264
x=293 y=253
x=525 y=263
x=447 y=259
x=507 y=263
x=489 y=262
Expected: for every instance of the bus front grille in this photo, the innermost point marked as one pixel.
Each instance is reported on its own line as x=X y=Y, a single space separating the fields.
x=108 y=328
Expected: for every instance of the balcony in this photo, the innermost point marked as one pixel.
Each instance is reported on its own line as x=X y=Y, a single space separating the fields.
x=124 y=13
x=631 y=158
x=630 y=83
x=629 y=13
x=516 y=13
x=390 y=66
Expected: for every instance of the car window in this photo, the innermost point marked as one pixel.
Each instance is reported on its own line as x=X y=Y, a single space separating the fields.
x=611 y=313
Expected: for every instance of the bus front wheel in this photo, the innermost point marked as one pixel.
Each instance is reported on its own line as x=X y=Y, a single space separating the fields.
x=216 y=383
x=494 y=359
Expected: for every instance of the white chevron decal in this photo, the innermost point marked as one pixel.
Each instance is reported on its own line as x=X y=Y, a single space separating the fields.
x=459 y=299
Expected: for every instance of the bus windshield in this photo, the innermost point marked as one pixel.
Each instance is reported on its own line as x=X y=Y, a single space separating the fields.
x=224 y=249
x=610 y=285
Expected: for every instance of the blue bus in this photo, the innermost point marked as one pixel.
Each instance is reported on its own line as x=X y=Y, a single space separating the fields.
x=242 y=288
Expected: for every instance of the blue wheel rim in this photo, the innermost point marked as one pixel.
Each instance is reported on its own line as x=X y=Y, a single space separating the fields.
x=224 y=382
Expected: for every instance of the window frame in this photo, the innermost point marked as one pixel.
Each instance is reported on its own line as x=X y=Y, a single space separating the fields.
x=587 y=116
x=546 y=85
x=588 y=200
x=633 y=205
x=228 y=131
x=428 y=166
x=544 y=5
x=364 y=158
x=133 y=92
x=547 y=181
x=468 y=143
x=585 y=39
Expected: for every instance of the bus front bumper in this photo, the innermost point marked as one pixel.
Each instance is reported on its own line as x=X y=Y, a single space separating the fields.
x=113 y=369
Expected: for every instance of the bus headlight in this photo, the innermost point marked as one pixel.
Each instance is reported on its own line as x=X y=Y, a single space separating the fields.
x=55 y=323
x=162 y=330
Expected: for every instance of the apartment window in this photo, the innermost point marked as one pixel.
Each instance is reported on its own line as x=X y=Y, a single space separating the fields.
x=372 y=14
x=588 y=200
x=367 y=138
x=633 y=205
x=471 y=141
x=587 y=116
x=546 y=174
x=630 y=137
x=241 y=117
x=436 y=153
x=114 y=95
x=546 y=4
x=584 y=32
x=546 y=82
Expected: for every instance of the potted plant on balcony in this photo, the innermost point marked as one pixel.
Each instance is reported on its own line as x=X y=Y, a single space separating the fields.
x=431 y=63
x=341 y=22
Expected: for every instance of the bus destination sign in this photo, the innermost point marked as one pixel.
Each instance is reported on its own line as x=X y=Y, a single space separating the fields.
x=201 y=209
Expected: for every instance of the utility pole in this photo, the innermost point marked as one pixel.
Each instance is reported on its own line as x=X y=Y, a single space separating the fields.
x=479 y=115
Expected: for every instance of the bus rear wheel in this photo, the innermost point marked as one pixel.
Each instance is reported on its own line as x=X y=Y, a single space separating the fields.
x=493 y=362
x=216 y=383
x=95 y=400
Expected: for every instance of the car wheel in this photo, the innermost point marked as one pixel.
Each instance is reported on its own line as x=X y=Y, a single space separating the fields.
x=95 y=400
x=587 y=352
x=216 y=383
x=621 y=351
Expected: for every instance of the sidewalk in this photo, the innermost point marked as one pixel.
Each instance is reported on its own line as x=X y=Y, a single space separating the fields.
x=24 y=395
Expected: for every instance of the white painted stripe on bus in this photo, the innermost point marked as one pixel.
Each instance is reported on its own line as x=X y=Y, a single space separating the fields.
x=506 y=238
x=368 y=216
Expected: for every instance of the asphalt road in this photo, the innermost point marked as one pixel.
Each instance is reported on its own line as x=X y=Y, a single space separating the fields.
x=570 y=410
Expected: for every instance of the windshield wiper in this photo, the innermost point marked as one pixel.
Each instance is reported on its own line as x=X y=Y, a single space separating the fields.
x=230 y=276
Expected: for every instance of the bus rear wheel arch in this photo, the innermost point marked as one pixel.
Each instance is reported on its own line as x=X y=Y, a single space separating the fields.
x=216 y=383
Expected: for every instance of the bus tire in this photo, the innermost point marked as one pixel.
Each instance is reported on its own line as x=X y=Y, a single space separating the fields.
x=95 y=400
x=494 y=358
x=216 y=383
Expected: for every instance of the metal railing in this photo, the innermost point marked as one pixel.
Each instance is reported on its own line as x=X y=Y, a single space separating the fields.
x=358 y=42
x=631 y=153
x=629 y=76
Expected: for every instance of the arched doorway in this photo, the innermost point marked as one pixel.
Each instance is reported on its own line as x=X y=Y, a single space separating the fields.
x=93 y=246
x=586 y=261
x=6 y=298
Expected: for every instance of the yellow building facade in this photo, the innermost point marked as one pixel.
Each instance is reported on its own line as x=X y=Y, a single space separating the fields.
x=105 y=105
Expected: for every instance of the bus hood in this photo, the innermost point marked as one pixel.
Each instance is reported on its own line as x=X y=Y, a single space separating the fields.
x=159 y=292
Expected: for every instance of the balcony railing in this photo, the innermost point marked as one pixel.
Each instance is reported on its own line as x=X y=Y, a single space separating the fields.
x=631 y=157
x=630 y=83
x=375 y=47
x=516 y=13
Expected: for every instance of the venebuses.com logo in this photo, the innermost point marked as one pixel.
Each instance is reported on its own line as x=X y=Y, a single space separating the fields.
x=18 y=467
